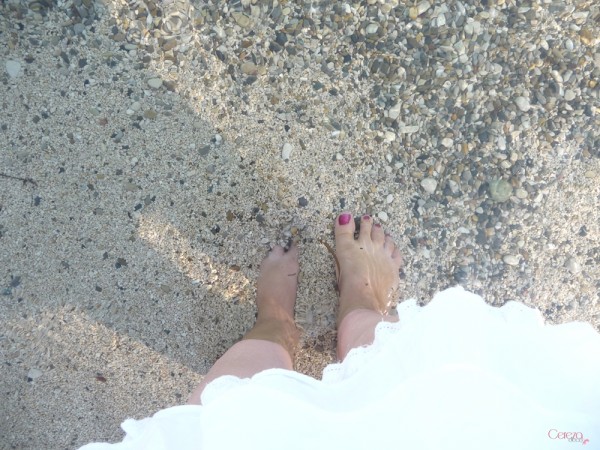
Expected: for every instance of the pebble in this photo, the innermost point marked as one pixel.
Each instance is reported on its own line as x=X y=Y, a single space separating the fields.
x=155 y=83
x=429 y=184
x=511 y=260
x=472 y=27
x=572 y=265
x=241 y=19
x=394 y=111
x=521 y=193
x=302 y=202
x=34 y=374
x=569 y=45
x=372 y=28
x=150 y=114
x=500 y=190
x=570 y=95
x=447 y=142
x=389 y=198
x=249 y=68
x=286 y=151
x=13 y=68
x=408 y=129
x=421 y=8
x=501 y=142
x=383 y=216
x=523 y=103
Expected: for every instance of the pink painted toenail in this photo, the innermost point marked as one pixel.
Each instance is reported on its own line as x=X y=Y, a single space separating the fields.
x=378 y=225
x=366 y=217
x=344 y=219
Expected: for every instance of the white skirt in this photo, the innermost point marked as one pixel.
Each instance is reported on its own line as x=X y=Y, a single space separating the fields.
x=455 y=374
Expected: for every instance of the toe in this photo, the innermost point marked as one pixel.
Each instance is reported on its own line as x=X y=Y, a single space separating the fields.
x=377 y=234
x=397 y=257
x=366 y=224
x=389 y=243
x=344 y=227
x=292 y=251
x=276 y=251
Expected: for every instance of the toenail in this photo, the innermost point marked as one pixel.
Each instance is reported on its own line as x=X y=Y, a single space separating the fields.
x=366 y=217
x=378 y=225
x=344 y=219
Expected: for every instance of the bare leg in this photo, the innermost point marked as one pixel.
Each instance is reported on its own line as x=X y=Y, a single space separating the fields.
x=368 y=273
x=271 y=342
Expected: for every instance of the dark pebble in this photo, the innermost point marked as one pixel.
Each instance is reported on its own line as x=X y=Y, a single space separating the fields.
x=484 y=136
x=461 y=275
x=15 y=281
x=281 y=38
x=302 y=202
x=481 y=237
x=121 y=262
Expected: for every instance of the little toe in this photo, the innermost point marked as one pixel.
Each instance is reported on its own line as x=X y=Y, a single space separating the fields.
x=344 y=227
x=397 y=257
x=377 y=234
x=366 y=225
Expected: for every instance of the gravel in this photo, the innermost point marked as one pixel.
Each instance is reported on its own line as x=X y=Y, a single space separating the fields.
x=179 y=140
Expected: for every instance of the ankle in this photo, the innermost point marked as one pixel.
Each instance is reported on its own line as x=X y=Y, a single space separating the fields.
x=280 y=329
x=357 y=300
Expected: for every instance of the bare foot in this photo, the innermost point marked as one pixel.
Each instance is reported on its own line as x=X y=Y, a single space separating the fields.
x=368 y=266
x=277 y=283
x=276 y=297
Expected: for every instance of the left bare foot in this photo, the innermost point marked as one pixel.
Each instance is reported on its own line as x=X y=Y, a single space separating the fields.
x=277 y=283
x=276 y=298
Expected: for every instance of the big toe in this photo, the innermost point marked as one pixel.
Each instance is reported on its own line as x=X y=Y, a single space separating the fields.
x=344 y=227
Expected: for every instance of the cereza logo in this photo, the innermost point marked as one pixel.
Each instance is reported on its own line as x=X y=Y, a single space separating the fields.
x=571 y=436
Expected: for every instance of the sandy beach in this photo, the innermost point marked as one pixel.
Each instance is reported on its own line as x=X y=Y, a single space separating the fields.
x=152 y=153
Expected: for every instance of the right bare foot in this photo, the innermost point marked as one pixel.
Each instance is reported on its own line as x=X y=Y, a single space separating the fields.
x=368 y=266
